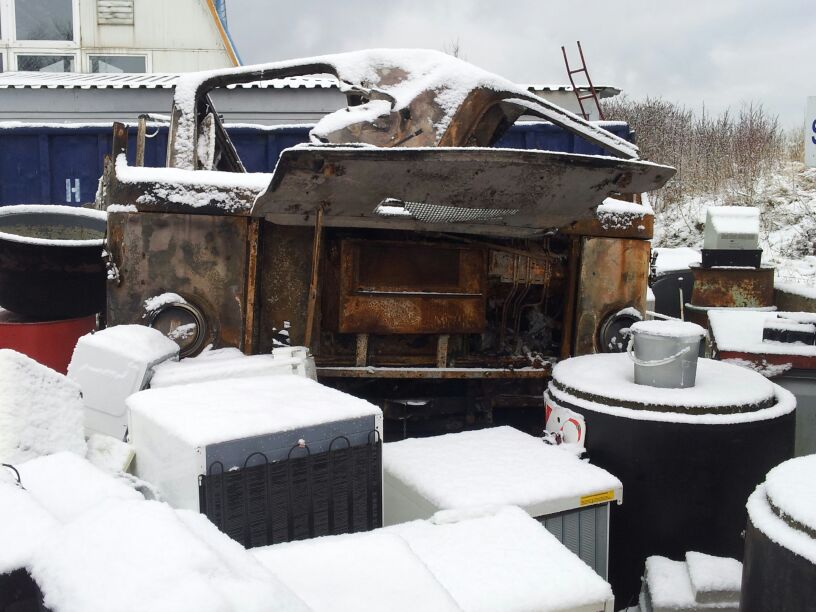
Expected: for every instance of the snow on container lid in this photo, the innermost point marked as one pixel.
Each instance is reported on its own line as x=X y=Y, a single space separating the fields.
x=496 y=466
x=607 y=380
x=668 y=329
x=791 y=491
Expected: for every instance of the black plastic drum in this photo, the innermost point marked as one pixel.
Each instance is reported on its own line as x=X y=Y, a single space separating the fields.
x=684 y=483
x=51 y=263
x=779 y=567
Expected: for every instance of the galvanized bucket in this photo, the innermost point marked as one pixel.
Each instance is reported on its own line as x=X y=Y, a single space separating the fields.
x=665 y=353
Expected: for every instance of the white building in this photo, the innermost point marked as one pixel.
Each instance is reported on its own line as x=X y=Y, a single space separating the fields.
x=114 y=36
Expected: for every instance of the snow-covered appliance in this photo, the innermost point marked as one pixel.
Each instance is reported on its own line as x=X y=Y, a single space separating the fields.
x=112 y=364
x=730 y=228
x=687 y=457
x=503 y=466
x=267 y=459
x=479 y=560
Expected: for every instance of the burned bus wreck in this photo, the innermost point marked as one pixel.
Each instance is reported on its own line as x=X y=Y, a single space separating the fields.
x=425 y=271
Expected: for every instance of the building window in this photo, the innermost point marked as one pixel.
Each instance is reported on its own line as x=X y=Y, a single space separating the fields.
x=118 y=63
x=44 y=19
x=45 y=63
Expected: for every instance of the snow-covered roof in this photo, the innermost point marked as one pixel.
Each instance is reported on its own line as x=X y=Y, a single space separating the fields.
x=159 y=80
x=447 y=79
x=498 y=466
x=71 y=80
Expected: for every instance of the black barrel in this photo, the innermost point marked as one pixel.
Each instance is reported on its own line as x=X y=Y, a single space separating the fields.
x=775 y=578
x=779 y=568
x=684 y=486
x=51 y=263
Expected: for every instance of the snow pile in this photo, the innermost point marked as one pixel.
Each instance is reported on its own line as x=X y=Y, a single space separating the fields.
x=41 y=411
x=502 y=560
x=714 y=579
x=67 y=485
x=24 y=524
x=109 y=454
x=614 y=213
x=357 y=572
x=227 y=191
x=497 y=466
x=157 y=302
x=144 y=556
x=676 y=259
x=205 y=413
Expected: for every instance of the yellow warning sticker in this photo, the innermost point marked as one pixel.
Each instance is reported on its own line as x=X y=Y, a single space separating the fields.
x=597 y=498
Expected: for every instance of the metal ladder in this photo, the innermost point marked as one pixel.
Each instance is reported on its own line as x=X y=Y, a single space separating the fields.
x=592 y=93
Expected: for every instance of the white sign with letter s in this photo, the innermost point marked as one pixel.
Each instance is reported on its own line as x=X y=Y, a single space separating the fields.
x=810 y=133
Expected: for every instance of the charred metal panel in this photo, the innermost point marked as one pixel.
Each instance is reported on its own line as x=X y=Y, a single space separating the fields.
x=493 y=192
x=285 y=261
x=613 y=276
x=202 y=258
x=623 y=226
x=733 y=287
x=411 y=288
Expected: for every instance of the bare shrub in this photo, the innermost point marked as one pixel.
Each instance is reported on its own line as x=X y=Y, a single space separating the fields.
x=725 y=155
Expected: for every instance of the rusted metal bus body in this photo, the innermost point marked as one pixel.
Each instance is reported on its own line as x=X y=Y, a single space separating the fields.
x=440 y=281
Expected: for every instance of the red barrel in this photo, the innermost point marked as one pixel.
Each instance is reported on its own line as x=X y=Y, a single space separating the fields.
x=49 y=342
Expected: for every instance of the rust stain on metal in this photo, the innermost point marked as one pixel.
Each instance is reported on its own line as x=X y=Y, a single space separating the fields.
x=250 y=301
x=311 y=305
x=202 y=258
x=733 y=287
x=613 y=276
x=410 y=288
x=431 y=373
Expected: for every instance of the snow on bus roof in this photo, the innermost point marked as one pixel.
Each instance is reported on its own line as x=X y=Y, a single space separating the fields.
x=450 y=78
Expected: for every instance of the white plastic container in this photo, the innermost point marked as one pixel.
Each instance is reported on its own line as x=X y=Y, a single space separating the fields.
x=665 y=353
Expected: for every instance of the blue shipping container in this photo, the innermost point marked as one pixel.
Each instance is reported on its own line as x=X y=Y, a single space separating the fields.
x=50 y=164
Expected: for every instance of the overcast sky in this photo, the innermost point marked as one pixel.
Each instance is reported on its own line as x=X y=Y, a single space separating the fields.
x=716 y=53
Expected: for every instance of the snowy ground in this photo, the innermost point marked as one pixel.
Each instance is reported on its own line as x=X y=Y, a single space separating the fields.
x=787 y=202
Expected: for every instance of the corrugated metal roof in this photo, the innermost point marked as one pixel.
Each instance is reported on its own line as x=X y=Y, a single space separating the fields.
x=70 y=80
x=65 y=80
